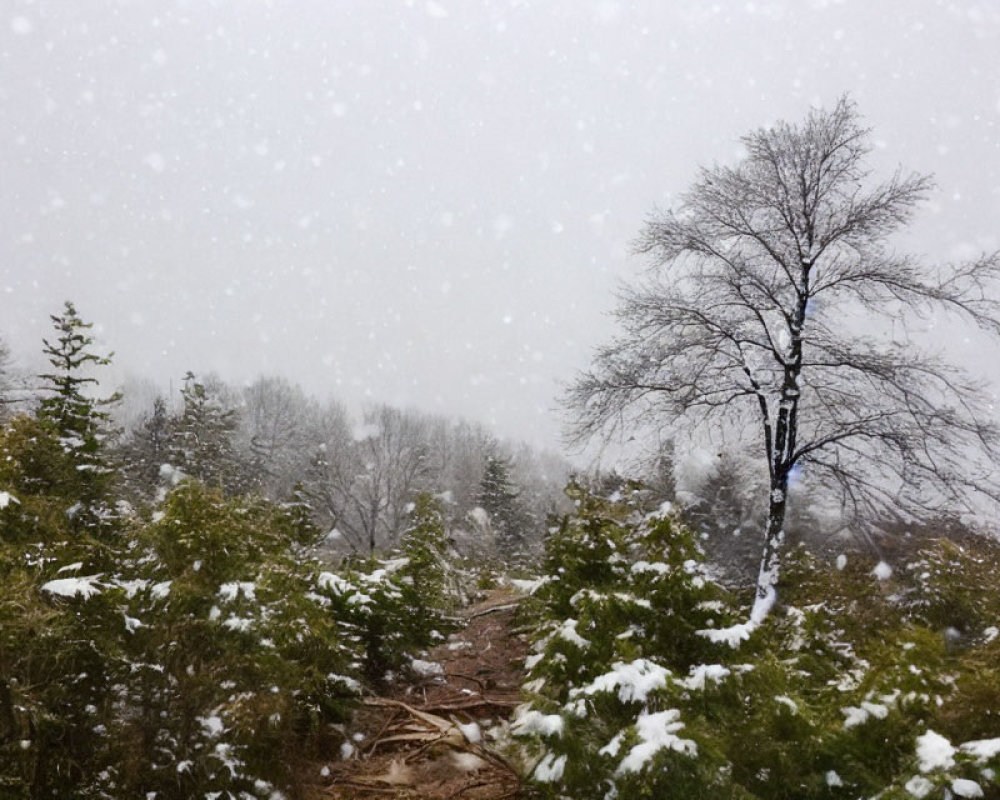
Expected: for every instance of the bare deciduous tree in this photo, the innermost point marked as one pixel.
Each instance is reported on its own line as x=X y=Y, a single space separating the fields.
x=6 y=382
x=366 y=487
x=771 y=289
x=277 y=421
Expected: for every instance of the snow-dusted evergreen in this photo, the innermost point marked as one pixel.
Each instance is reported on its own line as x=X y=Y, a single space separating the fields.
x=853 y=689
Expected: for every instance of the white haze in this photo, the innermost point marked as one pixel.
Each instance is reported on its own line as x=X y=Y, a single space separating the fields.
x=427 y=203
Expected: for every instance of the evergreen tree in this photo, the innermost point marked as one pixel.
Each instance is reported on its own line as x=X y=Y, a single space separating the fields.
x=726 y=511
x=498 y=497
x=424 y=543
x=81 y=422
x=146 y=450
x=203 y=440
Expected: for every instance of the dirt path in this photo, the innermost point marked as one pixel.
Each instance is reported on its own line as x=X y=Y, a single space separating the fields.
x=432 y=738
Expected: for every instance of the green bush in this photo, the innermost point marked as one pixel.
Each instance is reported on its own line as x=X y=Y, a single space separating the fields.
x=830 y=698
x=198 y=652
x=234 y=663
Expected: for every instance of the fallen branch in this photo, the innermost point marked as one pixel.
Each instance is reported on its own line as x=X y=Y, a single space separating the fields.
x=441 y=731
x=493 y=610
x=470 y=678
x=466 y=705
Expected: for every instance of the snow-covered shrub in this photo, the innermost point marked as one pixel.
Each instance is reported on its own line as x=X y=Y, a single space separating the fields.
x=59 y=618
x=834 y=697
x=233 y=662
x=617 y=651
x=372 y=602
x=196 y=652
x=424 y=545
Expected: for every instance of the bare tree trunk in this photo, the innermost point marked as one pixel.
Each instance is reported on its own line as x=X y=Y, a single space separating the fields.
x=770 y=562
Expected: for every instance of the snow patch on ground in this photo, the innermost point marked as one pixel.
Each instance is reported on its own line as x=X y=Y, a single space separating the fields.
x=467 y=762
x=426 y=669
x=471 y=731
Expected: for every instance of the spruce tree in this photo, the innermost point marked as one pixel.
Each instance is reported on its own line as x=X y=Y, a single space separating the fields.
x=145 y=452
x=498 y=497
x=203 y=439
x=425 y=544
x=80 y=421
x=61 y=549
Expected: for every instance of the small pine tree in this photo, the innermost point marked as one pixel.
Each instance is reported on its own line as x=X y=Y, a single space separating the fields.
x=145 y=451
x=298 y=514
x=203 y=443
x=498 y=497
x=81 y=422
x=59 y=624
x=425 y=543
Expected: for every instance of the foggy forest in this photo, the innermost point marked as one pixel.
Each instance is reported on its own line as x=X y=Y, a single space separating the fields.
x=500 y=400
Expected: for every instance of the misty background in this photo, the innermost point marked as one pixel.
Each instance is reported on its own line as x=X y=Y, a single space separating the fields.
x=428 y=204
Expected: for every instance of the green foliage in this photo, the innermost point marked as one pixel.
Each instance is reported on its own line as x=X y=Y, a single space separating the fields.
x=80 y=421
x=200 y=651
x=143 y=453
x=831 y=698
x=373 y=601
x=236 y=661
x=498 y=497
x=202 y=440
x=36 y=470
x=424 y=544
x=59 y=618
x=617 y=617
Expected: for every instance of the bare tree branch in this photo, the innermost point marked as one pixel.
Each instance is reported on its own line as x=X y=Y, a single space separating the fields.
x=764 y=290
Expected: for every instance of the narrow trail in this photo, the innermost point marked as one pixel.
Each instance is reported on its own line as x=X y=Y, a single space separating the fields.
x=433 y=738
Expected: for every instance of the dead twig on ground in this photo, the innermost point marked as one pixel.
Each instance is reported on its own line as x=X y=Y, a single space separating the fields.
x=470 y=704
x=493 y=610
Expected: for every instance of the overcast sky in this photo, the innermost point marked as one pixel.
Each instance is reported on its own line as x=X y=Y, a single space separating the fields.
x=428 y=203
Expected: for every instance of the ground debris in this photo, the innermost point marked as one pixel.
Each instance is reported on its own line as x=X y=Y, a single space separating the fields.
x=431 y=738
